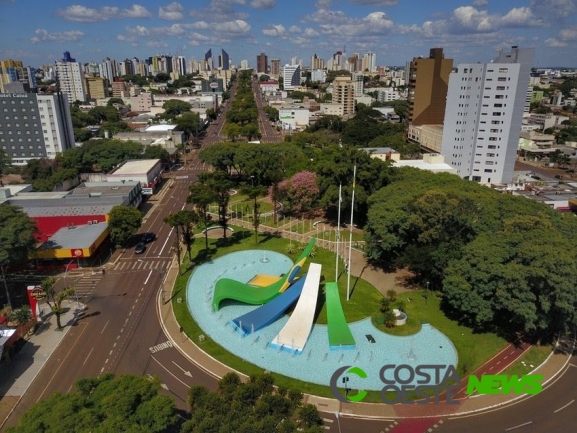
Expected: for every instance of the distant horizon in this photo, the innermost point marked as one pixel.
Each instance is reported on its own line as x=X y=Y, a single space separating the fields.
x=469 y=31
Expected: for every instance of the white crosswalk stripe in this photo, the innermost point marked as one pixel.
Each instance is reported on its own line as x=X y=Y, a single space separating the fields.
x=141 y=264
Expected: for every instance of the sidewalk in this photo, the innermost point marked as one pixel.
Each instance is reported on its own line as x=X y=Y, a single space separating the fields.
x=554 y=364
x=19 y=374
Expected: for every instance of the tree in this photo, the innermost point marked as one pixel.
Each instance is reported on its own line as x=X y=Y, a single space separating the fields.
x=161 y=77
x=113 y=101
x=123 y=222
x=389 y=319
x=300 y=193
x=201 y=195
x=220 y=185
x=54 y=299
x=211 y=114
x=104 y=404
x=189 y=123
x=156 y=151
x=254 y=192
x=175 y=107
x=232 y=130
x=4 y=161
x=17 y=238
x=184 y=221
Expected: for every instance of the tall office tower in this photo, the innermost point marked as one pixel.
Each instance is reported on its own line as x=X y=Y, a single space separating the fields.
x=291 y=75
x=91 y=69
x=167 y=64
x=35 y=126
x=180 y=65
x=142 y=69
x=275 y=67
x=71 y=78
x=108 y=69
x=359 y=82
x=244 y=64
x=209 y=61
x=485 y=105
x=96 y=87
x=369 y=62
x=224 y=60
x=192 y=66
x=262 y=63
x=344 y=94
x=427 y=89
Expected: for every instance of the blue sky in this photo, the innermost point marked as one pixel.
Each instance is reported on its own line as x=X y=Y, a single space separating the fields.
x=37 y=32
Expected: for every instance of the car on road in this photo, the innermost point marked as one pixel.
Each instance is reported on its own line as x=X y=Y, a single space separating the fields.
x=534 y=176
x=558 y=176
x=139 y=248
x=148 y=237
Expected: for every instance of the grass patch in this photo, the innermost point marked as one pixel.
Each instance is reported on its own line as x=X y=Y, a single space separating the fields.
x=472 y=349
x=535 y=356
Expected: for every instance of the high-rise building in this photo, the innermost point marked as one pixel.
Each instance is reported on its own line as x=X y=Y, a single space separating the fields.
x=96 y=87
x=71 y=78
x=344 y=94
x=427 y=88
x=14 y=72
x=244 y=64
x=359 y=82
x=34 y=126
x=317 y=62
x=262 y=63
x=485 y=103
x=275 y=67
x=209 y=61
x=224 y=61
x=291 y=75
x=369 y=62
x=180 y=65
x=107 y=69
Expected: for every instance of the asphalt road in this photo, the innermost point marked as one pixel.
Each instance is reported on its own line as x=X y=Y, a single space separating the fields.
x=268 y=132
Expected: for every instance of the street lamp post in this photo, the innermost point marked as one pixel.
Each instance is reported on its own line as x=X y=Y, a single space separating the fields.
x=66 y=272
x=75 y=291
x=427 y=294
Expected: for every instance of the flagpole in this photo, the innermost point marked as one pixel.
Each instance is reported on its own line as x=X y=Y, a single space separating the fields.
x=351 y=234
x=338 y=235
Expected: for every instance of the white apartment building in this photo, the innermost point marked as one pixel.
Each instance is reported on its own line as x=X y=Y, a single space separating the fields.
x=71 y=80
x=319 y=75
x=291 y=76
x=294 y=118
x=387 y=94
x=359 y=81
x=485 y=104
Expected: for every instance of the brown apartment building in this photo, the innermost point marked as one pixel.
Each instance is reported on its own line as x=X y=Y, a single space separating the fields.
x=427 y=88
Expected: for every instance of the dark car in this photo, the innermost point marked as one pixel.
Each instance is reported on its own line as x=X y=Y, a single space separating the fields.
x=140 y=247
x=534 y=176
x=558 y=176
x=148 y=237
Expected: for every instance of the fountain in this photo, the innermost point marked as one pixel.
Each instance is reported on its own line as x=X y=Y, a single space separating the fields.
x=264 y=259
x=309 y=355
x=357 y=356
x=325 y=358
x=341 y=357
x=252 y=328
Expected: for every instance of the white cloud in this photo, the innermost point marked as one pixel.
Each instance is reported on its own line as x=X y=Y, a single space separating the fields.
x=45 y=36
x=480 y=3
x=375 y=23
x=220 y=11
x=172 y=11
x=565 y=37
x=84 y=14
x=309 y=32
x=236 y=27
x=262 y=4
x=294 y=29
x=274 y=30
x=555 y=43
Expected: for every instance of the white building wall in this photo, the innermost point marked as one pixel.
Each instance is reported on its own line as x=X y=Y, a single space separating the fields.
x=485 y=104
x=56 y=124
x=71 y=80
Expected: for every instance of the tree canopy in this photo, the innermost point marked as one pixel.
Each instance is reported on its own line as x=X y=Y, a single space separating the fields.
x=16 y=236
x=123 y=222
x=101 y=405
x=249 y=407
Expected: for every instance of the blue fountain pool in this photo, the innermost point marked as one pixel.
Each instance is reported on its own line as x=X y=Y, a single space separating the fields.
x=317 y=362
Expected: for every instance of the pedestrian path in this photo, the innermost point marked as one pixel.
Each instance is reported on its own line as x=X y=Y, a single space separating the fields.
x=141 y=264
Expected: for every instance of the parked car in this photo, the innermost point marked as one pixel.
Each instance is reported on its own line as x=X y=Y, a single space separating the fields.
x=534 y=176
x=558 y=176
x=140 y=248
x=148 y=237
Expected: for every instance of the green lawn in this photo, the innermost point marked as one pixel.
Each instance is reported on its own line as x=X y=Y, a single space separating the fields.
x=535 y=356
x=473 y=349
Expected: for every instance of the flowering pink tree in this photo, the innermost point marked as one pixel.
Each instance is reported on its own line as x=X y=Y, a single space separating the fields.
x=299 y=194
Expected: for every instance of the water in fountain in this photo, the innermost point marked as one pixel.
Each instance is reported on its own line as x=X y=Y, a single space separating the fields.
x=325 y=358
x=252 y=328
x=371 y=357
x=309 y=355
x=280 y=348
x=264 y=259
x=341 y=357
x=357 y=356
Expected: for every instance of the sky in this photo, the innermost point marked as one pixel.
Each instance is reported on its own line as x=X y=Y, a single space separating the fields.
x=38 y=32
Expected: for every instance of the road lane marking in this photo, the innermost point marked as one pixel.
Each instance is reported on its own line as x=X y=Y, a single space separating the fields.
x=166 y=345
x=186 y=373
x=561 y=408
x=166 y=241
x=106 y=362
x=62 y=363
x=518 y=426
x=110 y=353
x=148 y=277
x=105 y=325
x=89 y=353
x=169 y=372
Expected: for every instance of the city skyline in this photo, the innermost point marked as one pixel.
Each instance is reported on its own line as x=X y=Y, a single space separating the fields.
x=395 y=30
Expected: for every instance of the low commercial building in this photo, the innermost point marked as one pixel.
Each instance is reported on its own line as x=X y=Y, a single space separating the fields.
x=148 y=172
x=433 y=162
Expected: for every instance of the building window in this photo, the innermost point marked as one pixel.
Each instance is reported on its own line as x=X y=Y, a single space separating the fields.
x=503 y=70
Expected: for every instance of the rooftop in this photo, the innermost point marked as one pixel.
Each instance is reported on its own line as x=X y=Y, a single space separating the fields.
x=82 y=236
x=157 y=128
x=137 y=166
